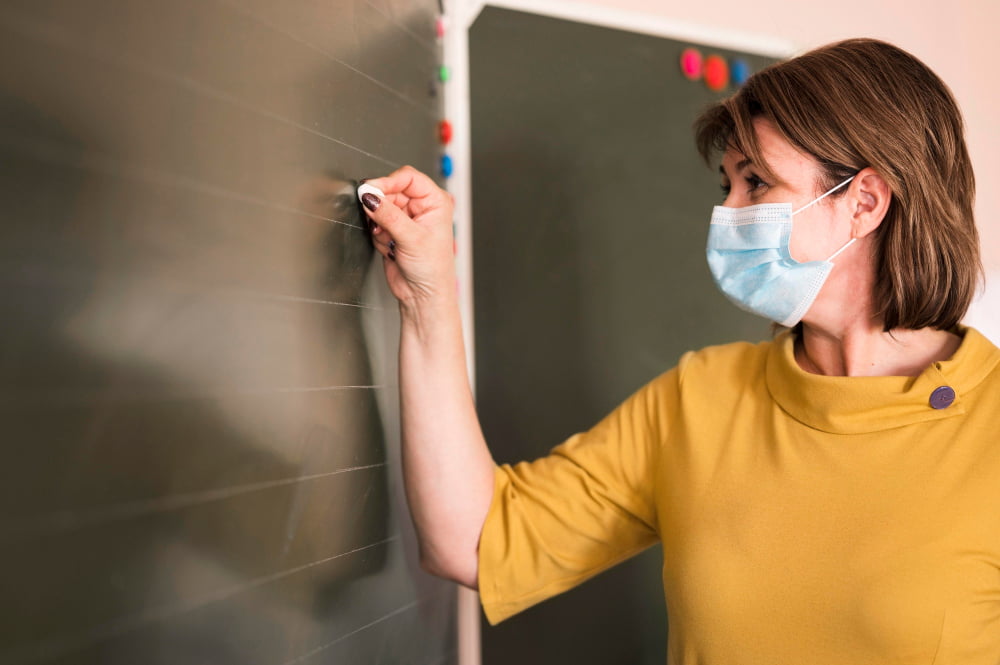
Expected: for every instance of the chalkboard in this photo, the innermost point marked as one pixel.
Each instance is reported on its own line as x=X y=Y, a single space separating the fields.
x=590 y=214
x=197 y=349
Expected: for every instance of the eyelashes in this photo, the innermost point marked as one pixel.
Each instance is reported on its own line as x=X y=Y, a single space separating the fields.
x=754 y=184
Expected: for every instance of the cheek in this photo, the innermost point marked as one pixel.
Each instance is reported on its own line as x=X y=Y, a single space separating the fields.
x=804 y=242
x=816 y=237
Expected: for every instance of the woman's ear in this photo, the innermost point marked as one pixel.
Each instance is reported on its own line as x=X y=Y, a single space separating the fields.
x=870 y=197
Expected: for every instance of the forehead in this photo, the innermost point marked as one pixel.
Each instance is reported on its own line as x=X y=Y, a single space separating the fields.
x=784 y=159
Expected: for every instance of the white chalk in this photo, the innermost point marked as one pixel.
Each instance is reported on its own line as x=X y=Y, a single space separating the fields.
x=370 y=189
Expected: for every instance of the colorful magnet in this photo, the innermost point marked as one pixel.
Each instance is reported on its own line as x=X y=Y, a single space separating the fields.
x=444 y=74
x=691 y=64
x=716 y=72
x=445 y=132
x=740 y=69
x=447 y=167
x=440 y=27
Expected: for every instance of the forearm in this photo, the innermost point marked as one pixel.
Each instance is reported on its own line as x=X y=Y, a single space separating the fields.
x=447 y=466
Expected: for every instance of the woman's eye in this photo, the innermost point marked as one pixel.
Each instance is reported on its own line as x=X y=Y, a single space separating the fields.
x=755 y=183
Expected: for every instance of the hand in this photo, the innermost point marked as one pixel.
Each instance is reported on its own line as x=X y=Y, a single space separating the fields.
x=413 y=232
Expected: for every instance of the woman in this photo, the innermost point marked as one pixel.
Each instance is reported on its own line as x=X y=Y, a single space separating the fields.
x=830 y=496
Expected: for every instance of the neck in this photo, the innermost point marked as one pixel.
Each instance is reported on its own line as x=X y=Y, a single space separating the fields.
x=842 y=336
x=864 y=349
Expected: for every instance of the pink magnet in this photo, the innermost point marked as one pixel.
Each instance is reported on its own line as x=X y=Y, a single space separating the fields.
x=440 y=27
x=716 y=72
x=691 y=63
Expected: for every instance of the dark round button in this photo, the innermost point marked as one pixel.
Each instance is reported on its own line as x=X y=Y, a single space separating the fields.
x=942 y=397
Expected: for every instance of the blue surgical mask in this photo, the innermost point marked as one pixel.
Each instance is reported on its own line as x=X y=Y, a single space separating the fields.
x=749 y=258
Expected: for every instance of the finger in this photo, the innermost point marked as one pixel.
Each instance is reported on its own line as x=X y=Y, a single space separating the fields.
x=384 y=243
x=387 y=249
x=389 y=217
x=411 y=190
x=401 y=201
x=407 y=181
x=398 y=198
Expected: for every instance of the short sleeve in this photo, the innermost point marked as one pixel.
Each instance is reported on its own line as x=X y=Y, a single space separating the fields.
x=586 y=506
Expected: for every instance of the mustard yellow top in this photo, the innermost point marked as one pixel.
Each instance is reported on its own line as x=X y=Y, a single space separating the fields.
x=805 y=520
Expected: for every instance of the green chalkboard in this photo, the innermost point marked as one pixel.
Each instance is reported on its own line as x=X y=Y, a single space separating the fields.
x=198 y=396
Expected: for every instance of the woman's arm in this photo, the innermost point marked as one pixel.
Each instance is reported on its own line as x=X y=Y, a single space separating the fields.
x=447 y=467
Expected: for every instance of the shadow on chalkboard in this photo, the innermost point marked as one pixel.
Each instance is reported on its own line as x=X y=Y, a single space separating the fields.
x=186 y=392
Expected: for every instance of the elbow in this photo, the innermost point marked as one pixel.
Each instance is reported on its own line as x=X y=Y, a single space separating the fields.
x=461 y=569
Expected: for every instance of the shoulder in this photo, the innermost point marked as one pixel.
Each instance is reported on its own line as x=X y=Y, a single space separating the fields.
x=976 y=364
x=726 y=362
x=711 y=375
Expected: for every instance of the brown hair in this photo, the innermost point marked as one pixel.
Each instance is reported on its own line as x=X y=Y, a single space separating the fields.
x=865 y=103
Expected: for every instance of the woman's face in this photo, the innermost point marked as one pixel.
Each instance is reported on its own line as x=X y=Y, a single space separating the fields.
x=818 y=231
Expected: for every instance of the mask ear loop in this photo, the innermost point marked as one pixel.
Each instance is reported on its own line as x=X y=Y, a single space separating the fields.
x=837 y=253
x=815 y=201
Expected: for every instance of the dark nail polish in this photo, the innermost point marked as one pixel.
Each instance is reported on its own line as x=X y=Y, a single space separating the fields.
x=371 y=201
x=392 y=245
x=392 y=255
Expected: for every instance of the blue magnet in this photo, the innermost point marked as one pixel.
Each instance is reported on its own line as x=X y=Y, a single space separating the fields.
x=740 y=71
x=447 y=167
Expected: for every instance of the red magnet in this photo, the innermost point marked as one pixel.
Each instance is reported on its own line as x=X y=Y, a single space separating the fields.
x=716 y=72
x=440 y=27
x=691 y=63
x=445 y=132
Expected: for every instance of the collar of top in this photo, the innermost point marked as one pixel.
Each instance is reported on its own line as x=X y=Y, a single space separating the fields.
x=856 y=405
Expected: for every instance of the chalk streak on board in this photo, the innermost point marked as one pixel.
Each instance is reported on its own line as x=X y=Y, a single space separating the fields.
x=316 y=302
x=431 y=111
x=106 y=397
x=71 y=520
x=58 y=38
x=97 y=163
x=70 y=642
x=310 y=654
x=242 y=293
x=312 y=390
x=396 y=612
x=428 y=44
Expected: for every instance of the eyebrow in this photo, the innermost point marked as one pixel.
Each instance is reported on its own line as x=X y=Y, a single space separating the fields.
x=740 y=165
